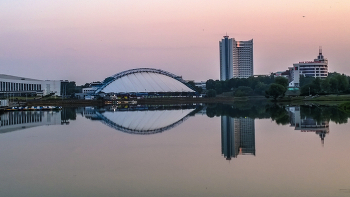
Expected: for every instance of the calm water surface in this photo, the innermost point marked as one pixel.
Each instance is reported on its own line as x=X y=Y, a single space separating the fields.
x=215 y=150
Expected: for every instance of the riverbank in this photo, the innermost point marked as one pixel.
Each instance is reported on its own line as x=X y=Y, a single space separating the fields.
x=321 y=100
x=298 y=100
x=65 y=103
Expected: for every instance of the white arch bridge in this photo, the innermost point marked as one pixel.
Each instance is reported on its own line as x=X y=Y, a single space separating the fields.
x=144 y=80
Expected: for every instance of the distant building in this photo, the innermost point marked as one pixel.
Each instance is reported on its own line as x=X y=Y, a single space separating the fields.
x=201 y=84
x=236 y=58
x=285 y=74
x=92 y=88
x=89 y=92
x=21 y=86
x=316 y=68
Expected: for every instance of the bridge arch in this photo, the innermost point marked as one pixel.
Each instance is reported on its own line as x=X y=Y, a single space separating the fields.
x=145 y=80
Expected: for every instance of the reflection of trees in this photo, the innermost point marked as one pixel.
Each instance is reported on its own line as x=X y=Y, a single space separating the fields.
x=237 y=110
x=251 y=110
x=324 y=113
x=276 y=112
x=68 y=113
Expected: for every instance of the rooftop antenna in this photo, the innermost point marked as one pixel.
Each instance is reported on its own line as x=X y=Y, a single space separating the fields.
x=320 y=56
x=226 y=35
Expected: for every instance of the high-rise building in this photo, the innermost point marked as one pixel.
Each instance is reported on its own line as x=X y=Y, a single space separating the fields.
x=236 y=58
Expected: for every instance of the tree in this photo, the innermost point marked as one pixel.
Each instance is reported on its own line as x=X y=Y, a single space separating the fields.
x=308 y=90
x=316 y=85
x=325 y=85
x=218 y=87
x=211 y=93
x=276 y=90
x=243 y=91
x=260 y=88
x=108 y=79
x=210 y=84
x=305 y=80
x=86 y=85
x=333 y=84
x=196 y=88
x=343 y=82
x=282 y=81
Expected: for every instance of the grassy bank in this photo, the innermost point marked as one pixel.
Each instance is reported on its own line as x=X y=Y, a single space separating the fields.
x=60 y=102
x=298 y=100
x=322 y=100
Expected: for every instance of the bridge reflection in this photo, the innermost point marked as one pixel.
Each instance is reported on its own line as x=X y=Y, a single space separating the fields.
x=143 y=120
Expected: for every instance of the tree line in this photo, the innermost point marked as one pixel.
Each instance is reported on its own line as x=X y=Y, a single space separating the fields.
x=335 y=83
x=279 y=114
x=276 y=87
x=269 y=86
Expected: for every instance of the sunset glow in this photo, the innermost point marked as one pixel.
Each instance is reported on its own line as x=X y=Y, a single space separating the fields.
x=88 y=41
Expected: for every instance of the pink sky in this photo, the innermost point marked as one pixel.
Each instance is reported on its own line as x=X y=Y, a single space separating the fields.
x=87 y=41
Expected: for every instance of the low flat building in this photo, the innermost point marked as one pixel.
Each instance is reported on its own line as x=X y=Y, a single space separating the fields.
x=201 y=84
x=21 y=86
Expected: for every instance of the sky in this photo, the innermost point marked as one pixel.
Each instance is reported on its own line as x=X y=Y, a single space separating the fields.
x=85 y=40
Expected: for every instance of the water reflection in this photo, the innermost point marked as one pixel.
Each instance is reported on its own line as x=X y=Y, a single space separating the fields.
x=307 y=123
x=143 y=120
x=237 y=121
x=237 y=136
x=19 y=120
x=75 y=160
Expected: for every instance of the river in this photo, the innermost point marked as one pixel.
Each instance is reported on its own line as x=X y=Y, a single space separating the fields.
x=176 y=150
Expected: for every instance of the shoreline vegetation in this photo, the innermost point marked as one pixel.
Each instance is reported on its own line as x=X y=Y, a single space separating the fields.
x=297 y=100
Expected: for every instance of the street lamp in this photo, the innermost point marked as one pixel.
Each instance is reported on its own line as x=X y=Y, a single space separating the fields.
x=309 y=91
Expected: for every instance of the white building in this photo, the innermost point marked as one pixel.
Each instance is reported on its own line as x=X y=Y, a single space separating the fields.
x=21 y=85
x=236 y=58
x=316 y=68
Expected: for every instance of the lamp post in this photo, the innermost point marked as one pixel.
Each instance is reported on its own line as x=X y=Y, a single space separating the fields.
x=309 y=91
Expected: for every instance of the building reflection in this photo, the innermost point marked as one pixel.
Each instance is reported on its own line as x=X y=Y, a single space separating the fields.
x=237 y=137
x=19 y=120
x=308 y=124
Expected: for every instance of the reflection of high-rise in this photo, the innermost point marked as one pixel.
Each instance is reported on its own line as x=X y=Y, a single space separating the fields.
x=308 y=124
x=237 y=136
